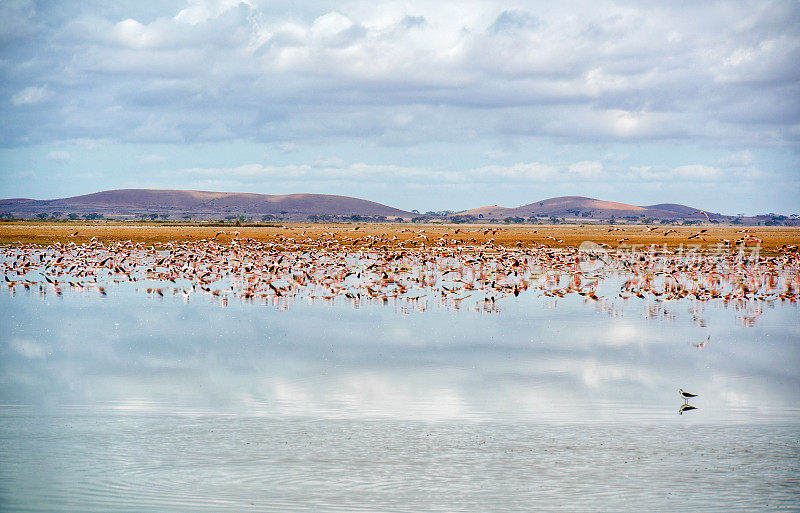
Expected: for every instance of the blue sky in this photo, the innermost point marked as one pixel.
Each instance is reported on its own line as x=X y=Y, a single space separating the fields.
x=416 y=104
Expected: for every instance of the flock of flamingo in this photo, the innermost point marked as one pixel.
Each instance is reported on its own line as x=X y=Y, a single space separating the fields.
x=325 y=268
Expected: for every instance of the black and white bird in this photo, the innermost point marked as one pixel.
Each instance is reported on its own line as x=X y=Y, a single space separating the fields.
x=686 y=395
x=685 y=407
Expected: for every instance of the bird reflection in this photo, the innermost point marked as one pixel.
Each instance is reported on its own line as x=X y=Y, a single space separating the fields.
x=685 y=407
x=702 y=344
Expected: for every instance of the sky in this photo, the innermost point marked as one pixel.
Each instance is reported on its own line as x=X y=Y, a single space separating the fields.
x=416 y=104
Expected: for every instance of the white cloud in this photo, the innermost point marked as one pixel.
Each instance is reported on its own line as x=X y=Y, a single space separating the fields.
x=587 y=169
x=590 y=72
x=32 y=95
x=288 y=147
x=330 y=162
x=328 y=170
x=131 y=33
x=29 y=348
x=202 y=10
x=58 y=156
x=153 y=158
x=697 y=172
x=496 y=154
x=739 y=159
x=326 y=28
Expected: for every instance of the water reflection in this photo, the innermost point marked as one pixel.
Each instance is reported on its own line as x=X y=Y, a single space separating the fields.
x=540 y=360
x=685 y=407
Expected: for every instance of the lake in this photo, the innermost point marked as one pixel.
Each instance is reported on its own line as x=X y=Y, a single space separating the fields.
x=135 y=401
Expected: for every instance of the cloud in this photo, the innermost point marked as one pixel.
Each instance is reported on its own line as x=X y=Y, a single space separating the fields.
x=32 y=95
x=698 y=172
x=496 y=154
x=587 y=169
x=513 y=21
x=58 y=156
x=17 y=20
x=266 y=72
x=739 y=159
x=29 y=348
x=582 y=172
x=202 y=10
x=153 y=158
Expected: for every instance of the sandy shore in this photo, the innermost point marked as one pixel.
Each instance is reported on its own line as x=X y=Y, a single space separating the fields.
x=411 y=235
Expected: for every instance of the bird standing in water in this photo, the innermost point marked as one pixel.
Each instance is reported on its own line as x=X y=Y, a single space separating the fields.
x=686 y=396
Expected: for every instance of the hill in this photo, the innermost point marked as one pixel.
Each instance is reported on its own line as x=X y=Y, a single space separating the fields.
x=184 y=205
x=579 y=207
x=181 y=204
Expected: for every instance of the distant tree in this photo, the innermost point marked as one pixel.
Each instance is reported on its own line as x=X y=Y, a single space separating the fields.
x=164 y=216
x=398 y=219
x=461 y=218
x=56 y=215
x=72 y=216
x=153 y=217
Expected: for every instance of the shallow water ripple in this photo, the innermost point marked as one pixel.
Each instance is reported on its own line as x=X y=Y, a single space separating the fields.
x=166 y=463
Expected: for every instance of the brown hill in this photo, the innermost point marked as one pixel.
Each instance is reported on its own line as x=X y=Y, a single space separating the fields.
x=489 y=212
x=200 y=205
x=179 y=205
x=579 y=207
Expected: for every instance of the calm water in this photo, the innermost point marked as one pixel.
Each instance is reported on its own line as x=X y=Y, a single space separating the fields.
x=133 y=402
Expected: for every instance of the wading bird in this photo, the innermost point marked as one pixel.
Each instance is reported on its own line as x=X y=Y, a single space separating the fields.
x=686 y=395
